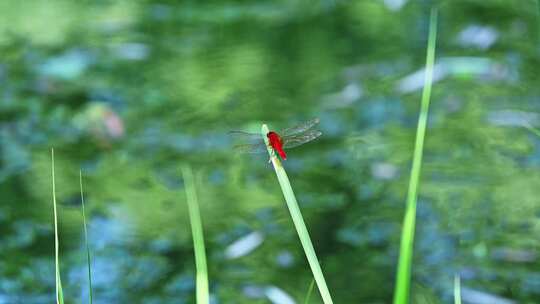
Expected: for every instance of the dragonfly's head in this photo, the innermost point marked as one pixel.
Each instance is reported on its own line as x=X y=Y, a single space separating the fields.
x=273 y=137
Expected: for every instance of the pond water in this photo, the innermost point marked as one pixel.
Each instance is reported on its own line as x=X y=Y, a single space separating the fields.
x=131 y=92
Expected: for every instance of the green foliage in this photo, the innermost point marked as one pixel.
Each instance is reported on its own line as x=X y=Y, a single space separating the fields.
x=129 y=90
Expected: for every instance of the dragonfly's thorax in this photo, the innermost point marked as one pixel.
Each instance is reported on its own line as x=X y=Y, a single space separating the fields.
x=274 y=139
x=277 y=143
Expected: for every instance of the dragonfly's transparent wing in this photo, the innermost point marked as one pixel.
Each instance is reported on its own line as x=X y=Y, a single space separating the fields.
x=300 y=128
x=251 y=148
x=300 y=139
x=249 y=142
x=241 y=135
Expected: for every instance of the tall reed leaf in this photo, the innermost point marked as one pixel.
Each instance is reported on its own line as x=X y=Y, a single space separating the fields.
x=403 y=278
x=457 y=289
x=197 y=233
x=88 y=261
x=59 y=293
x=298 y=221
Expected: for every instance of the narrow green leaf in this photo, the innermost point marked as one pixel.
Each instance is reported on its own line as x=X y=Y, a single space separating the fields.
x=88 y=261
x=457 y=289
x=59 y=293
x=310 y=290
x=197 y=233
x=298 y=221
x=403 y=278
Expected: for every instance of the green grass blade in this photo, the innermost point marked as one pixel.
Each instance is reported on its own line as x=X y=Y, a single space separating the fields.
x=403 y=277
x=298 y=221
x=59 y=293
x=310 y=290
x=457 y=290
x=197 y=233
x=88 y=261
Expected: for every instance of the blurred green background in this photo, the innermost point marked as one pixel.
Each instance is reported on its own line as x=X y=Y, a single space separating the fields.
x=129 y=91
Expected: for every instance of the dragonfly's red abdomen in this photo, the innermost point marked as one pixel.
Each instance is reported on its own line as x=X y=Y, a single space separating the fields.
x=277 y=143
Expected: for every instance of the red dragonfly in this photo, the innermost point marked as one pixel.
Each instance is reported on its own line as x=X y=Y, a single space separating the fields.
x=285 y=139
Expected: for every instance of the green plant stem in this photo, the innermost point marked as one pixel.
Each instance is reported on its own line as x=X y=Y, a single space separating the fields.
x=59 y=293
x=197 y=233
x=298 y=221
x=457 y=290
x=88 y=260
x=403 y=279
